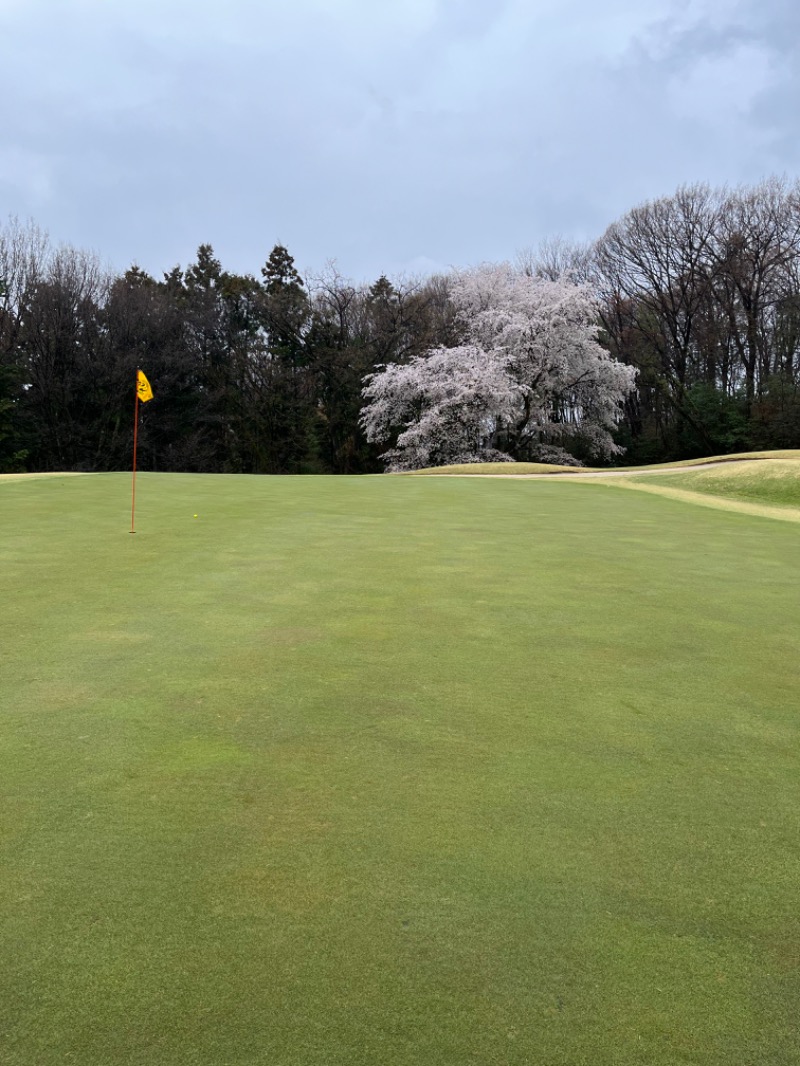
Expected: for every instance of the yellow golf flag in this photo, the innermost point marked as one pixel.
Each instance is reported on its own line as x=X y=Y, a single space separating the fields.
x=143 y=389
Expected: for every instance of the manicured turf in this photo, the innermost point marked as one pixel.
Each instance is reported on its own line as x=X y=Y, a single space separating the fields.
x=396 y=770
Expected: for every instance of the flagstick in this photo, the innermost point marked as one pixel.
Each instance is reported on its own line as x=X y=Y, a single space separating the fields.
x=135 y=435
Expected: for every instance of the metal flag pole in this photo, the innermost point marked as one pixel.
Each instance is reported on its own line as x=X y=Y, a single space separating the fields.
x=135 y=436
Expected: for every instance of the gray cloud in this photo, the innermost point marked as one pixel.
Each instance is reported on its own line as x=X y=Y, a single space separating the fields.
x=405 y=135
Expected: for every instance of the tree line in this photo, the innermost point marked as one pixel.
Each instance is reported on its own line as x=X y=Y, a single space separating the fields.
x=250 y=375
x=698 y=292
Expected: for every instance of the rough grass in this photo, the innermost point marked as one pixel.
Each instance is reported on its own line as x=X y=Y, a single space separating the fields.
x=548 y=468
x=497 y=468
x=47 y=474
x=786 y=453
x=768 y=490
x=776 y=483
x=395 y=770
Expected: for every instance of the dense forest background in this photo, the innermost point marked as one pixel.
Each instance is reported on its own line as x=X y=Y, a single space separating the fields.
x=699 y=291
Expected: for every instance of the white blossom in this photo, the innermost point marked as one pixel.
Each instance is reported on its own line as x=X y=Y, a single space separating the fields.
x=530 y=375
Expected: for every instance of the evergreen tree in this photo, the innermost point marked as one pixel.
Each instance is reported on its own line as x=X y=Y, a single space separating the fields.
x=287 y=402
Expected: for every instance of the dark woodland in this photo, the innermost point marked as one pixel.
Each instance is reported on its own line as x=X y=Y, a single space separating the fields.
x=263 y=374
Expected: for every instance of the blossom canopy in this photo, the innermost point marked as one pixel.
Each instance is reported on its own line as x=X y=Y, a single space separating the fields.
x=529 y=380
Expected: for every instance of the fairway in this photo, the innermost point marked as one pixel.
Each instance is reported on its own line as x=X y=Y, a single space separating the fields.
x=396 y=770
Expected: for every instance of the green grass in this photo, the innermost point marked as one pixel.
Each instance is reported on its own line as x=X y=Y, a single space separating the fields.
x=549 y=468
x=497 y=468
x=776 y=483
x=786 y=453
x=395 y=770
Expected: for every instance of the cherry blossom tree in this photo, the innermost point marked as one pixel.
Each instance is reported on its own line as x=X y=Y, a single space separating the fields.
x=529 y=380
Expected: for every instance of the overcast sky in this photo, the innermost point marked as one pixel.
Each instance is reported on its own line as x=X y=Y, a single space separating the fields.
x=389 y=136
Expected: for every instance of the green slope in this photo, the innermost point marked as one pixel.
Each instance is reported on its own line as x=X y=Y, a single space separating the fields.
x=776 y=483
x=549 y=468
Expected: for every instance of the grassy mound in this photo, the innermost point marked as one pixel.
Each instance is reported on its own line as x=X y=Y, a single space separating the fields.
x=776 y=483
x=53 y=474
x=497 y=468
x=510 y=469
x=395 y=770
x=721 y=459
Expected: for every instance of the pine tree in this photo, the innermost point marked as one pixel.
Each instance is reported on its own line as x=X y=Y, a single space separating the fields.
x=288 y=397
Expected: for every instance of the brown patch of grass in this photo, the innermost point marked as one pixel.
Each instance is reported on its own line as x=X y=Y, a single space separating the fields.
x=55 y=473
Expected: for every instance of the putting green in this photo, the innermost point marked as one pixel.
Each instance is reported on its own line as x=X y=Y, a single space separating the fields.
x=395 y=770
